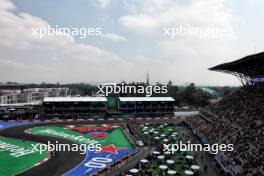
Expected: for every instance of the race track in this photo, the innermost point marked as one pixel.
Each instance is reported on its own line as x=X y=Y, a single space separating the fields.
x=55 y=166
x=62 y=162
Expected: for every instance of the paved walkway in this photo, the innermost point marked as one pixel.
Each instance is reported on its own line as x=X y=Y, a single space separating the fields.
x=202 y=158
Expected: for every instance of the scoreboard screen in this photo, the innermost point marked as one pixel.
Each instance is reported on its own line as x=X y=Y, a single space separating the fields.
x=257 y=79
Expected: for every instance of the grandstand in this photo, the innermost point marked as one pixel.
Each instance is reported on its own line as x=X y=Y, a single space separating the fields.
x=237 y=119
x=146 y=106
x=85 y=107
x=72 y=107
x=20 y=110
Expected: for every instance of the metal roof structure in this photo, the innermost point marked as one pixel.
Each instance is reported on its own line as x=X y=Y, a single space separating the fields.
x=244 y=68
x=146 y=99
x=22 y=104
x=75 y=99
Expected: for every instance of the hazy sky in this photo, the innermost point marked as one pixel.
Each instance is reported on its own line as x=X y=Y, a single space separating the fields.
x=132 y=43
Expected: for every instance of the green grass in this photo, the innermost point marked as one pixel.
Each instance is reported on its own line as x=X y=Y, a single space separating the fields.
x=116 y=137
x=11 y=165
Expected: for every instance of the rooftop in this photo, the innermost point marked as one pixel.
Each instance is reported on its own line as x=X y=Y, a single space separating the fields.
x=75 y=99
x=146 y=99
x=251 y=65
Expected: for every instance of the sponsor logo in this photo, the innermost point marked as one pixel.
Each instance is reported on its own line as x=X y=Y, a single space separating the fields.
x=80 y=138
x=98 y=163
x=15 y=151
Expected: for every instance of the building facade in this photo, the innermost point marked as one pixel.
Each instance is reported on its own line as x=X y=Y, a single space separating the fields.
x=74 y=107
x=146 y=106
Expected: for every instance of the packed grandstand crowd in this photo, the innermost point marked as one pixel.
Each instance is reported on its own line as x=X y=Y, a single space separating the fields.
x=238 y=120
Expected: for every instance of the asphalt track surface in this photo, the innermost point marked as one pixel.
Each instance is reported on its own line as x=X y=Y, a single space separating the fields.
x=58 y=165
x=62 y=162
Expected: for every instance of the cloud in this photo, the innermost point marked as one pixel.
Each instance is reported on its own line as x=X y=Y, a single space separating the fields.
x=6 y=5
x=114 y=37
x=187 y=57
x=26 y=57
x=156 y=13
x=104 y=3
x=139 y=21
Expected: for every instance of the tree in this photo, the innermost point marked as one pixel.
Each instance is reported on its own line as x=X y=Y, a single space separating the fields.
x=195 y=96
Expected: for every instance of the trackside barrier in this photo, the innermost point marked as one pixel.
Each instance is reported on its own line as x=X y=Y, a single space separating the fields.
x=128 y=136
x=229 y=169
x=127 y=164
x=221 y=159
x=113 y=167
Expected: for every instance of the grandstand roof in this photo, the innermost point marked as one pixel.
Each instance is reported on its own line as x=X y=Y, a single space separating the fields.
x=146 y=99
x=252 y=65
x=21 y=104
x=75 y=99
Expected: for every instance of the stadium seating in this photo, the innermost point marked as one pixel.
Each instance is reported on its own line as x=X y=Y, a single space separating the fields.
x=237 y=119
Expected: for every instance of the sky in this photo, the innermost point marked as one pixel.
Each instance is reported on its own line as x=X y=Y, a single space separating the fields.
x=134 y=39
